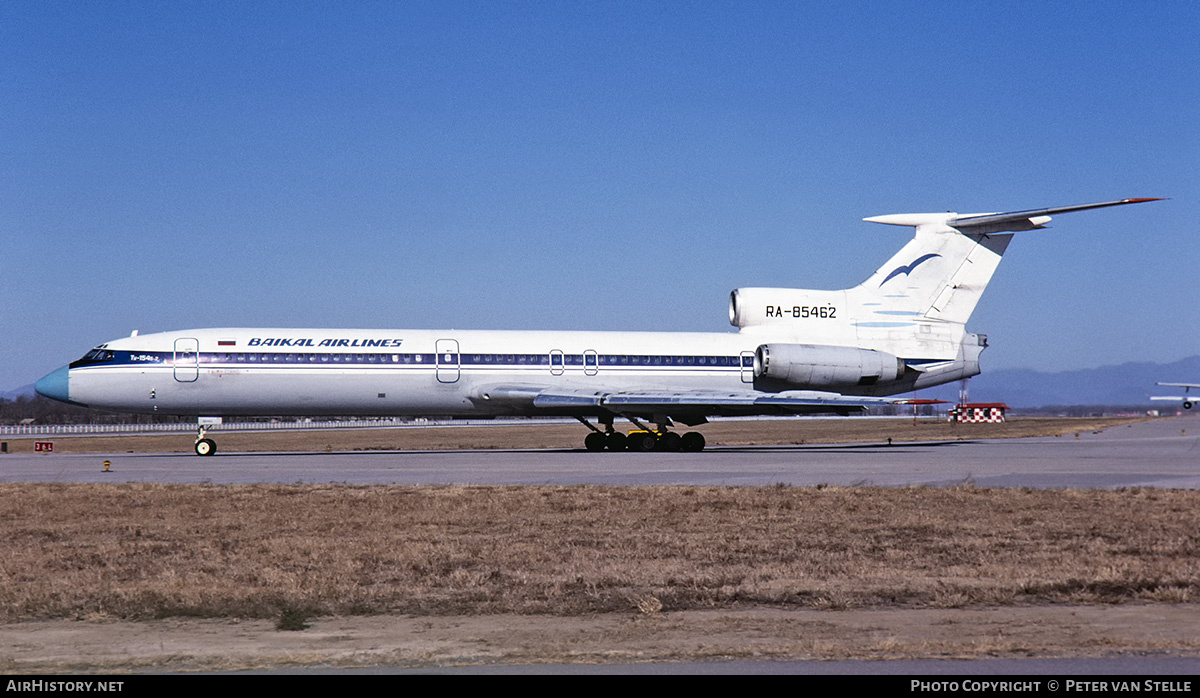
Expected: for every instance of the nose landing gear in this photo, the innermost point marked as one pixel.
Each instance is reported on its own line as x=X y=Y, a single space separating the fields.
x=205 y=446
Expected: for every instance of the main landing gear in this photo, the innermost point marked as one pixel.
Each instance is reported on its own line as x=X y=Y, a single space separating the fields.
x=641 y=439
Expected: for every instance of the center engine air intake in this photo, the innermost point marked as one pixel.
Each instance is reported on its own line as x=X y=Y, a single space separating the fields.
x=818 y=366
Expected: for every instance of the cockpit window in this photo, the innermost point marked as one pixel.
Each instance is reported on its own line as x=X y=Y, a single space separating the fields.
x=98 y=355
x=95 y=356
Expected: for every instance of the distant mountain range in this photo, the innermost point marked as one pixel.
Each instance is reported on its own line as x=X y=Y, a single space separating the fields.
x=26 y=391
x=1126 y=384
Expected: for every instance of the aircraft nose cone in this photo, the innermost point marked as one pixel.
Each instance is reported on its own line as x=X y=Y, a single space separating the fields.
x=55 y=385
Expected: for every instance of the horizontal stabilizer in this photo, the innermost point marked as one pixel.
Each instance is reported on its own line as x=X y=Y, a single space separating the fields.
x=986 y=223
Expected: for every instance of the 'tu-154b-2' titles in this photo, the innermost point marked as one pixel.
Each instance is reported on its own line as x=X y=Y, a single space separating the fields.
x=802 y=311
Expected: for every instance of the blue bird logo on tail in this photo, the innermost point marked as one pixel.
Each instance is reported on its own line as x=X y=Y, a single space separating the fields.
x=908 y=268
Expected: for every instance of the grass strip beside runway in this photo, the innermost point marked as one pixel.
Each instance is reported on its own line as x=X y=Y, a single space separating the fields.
x=138 y=551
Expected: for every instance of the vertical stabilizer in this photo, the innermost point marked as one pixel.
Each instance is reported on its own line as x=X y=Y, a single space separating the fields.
x=939 y=275
x=915 y=305
x=918 y=303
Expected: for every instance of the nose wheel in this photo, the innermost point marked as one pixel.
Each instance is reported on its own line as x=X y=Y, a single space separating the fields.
x=205 y=446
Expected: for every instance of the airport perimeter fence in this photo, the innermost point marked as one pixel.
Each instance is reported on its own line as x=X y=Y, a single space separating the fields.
x=380 y=423
x=86 y=429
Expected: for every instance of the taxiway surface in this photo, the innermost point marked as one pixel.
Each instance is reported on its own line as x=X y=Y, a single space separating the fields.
x=1157 y=453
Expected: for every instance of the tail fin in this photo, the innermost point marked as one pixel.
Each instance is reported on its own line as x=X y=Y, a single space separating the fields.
x=941 y=274
x=915 y=305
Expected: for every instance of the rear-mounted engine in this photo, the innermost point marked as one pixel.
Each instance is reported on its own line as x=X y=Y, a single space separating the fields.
x=817 y=366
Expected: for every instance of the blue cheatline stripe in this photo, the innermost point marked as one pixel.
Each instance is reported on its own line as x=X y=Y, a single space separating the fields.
x=294 y=359
x=309 y=360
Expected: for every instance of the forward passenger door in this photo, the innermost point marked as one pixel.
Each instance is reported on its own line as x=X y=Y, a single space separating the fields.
x=186 y=359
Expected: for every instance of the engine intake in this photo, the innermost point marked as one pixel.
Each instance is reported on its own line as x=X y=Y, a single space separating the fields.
x=820 y=366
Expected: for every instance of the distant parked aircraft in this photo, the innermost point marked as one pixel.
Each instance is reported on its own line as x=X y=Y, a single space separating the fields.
x=1187 y=400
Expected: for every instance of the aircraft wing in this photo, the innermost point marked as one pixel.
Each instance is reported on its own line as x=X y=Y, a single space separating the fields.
x=684 y=405
x=1181 y=385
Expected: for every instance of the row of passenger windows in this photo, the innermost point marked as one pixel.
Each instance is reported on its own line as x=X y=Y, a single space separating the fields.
x=553 y=359
x=484 y=359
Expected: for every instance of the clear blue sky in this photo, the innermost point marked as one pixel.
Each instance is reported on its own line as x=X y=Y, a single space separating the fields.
x=585 y=165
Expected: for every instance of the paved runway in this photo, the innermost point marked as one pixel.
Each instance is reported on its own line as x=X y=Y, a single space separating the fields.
x=1159 y=453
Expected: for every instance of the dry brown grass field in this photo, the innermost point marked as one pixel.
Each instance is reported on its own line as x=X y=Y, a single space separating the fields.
x=589 y=573
x=141 y=551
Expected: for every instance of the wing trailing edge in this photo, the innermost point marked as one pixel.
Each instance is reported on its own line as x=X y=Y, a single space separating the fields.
x=709 y=401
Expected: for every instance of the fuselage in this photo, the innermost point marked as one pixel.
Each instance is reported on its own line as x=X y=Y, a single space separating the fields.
x=387 y=372
x=410 y=372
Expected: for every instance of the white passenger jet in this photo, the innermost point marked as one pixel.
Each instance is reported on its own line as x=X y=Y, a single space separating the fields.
x=1187 y=399
x=796 y=351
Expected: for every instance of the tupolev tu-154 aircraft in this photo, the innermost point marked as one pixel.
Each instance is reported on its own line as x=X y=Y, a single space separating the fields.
x=796 y=351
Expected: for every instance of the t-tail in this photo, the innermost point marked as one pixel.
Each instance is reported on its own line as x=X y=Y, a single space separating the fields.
x=913 y=309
